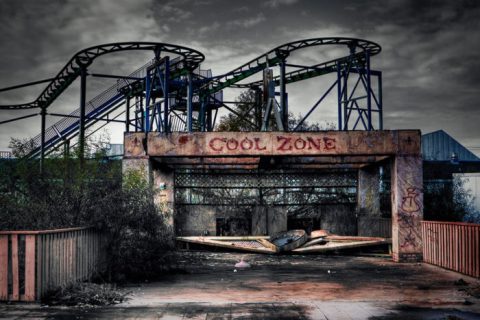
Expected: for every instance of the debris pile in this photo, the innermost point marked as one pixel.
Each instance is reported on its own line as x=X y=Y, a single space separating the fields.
x=294 y=241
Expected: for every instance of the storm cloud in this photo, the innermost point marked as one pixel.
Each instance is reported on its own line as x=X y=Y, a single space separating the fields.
x=429 y=59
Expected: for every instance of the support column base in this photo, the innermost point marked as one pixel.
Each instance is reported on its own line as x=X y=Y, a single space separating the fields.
x=407 y=257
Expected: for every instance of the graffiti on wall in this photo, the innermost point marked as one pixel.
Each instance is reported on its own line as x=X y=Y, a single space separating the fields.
x=407 y=216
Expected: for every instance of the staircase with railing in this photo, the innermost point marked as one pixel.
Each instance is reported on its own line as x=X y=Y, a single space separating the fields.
x=104 y=103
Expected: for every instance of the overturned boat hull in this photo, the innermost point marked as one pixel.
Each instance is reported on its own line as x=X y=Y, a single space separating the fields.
x=294 y=242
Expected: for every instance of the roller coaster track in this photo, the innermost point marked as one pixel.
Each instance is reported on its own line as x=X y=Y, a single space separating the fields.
x=71 y=71
x=187 y=61
x=308 y=72
x=278 y=54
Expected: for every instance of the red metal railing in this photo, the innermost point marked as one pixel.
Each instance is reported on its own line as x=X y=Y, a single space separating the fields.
x=452 y=245
x=33 y=262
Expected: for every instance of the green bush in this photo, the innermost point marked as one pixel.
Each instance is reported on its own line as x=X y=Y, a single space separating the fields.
x=68 y=194
x=85 y=295
x=446 y=201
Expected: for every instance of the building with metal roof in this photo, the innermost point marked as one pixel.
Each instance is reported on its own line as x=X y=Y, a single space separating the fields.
x=440 y=146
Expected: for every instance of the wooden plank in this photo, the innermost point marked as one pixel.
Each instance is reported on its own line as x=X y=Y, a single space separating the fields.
x=82 y=254
x=79 y=254
x=74 y=255
x=60 y=259
x=426 y=239
x=477 y=250
x=25 y=232
x=450 y=247
x=468 y=255
x=56 y=251
x=268 y=244
x=15 y=270
x=462 y=251
x=39 y=266
x=442 y=249
x=90 y=253
x=30 y=267
x=232 y=238
x=65 y=258
x=352 y=238
x=313 y=242
x=223 y=244
x=318 y=234
x=3 y=267
x=46 y=264
x=456 y=248
x=331 y=246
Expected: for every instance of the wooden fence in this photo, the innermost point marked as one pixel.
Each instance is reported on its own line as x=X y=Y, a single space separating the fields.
x=34 y=262
x=452 y=245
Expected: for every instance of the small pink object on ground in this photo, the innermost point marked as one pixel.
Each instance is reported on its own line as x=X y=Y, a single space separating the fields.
x=242 y=264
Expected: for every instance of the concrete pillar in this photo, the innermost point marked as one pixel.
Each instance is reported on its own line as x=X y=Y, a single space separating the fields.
x=368 y=192
x=407 y=208
x=140 y=165
x=368 y=202
x=165 y=195
x=135 y=156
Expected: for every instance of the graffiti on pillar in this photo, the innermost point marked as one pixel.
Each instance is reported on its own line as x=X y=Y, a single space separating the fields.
x=409 y=210
x=410 y=203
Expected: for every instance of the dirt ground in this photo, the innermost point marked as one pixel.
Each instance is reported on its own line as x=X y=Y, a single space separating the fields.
x=207 y=286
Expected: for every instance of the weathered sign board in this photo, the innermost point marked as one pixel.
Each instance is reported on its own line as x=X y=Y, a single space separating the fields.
x=324 y=143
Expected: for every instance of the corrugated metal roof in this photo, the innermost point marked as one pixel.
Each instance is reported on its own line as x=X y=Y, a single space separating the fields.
x=439 y=146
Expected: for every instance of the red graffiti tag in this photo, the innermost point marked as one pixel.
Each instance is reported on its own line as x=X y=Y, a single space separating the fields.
x=329 y=143
x=282 y=143
x=216 y=147
x=231 y=144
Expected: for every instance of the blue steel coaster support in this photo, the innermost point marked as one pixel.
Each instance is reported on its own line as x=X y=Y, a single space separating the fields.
x=348 y=96
x=156 y=83
x=166 y=94
x=209 y=120
x=380 y=101
x=369 y=91
x=283 y=97
x=339 y=92
x=43 y=114
x=345 y=98
x=201 y=114
x=127 y=113
x=189 y=102
x=148 y=90
x=83 y=99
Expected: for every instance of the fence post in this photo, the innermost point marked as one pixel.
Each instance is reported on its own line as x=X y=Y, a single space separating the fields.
x=15 y=270
x=3 y=267
x=30 y=267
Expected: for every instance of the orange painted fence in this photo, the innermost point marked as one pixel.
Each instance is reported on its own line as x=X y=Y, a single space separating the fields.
x=34 y=262
x=452 y=245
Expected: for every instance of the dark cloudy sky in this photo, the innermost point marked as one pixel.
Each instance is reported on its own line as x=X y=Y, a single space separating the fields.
x=430 y=58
